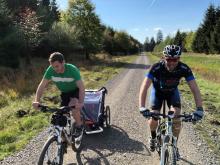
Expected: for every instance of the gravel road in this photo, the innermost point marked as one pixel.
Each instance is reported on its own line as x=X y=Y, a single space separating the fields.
x=126 y=142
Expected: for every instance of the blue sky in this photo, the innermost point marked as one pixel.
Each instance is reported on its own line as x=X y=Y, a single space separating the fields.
x=143 y=18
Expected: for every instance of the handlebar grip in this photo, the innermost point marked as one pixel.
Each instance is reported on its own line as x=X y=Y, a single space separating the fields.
x=187 y=120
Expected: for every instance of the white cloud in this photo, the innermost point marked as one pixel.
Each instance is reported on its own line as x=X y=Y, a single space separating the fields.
x=157 y=28
x=136 y=29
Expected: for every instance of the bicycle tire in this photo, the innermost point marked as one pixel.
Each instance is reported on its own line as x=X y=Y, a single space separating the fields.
x=169 y=158
x=107 y=116
x=46 y=146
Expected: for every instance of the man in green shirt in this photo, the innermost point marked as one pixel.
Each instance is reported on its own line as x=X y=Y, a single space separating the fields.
x=68 y=80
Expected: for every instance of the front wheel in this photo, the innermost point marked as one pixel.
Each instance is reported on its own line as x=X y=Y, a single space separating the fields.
x=169 y=157
x=51 y=153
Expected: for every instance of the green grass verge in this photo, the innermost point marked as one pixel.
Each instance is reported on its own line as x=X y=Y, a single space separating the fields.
x=15 y=132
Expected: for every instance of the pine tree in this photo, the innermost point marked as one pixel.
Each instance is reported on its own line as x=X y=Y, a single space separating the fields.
x=108 y=42
x=152 y=44
x=5 y=18
x=216 y=37
x=16 y=5
x=9 y=40
x=159 y=37
x=54 y=12
x=147 y=44
x=135 y=46
x=208 y=27
x=122 y=40
x=199 y=44
x=46 y=15
x=178 y=39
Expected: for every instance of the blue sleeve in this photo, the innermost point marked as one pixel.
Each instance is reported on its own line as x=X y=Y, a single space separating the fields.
x=188 y=74
x=152 y=72
x=190 y=78
x=149 y=75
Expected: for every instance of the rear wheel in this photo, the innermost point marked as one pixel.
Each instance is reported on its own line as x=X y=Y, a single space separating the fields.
x=107 y=116
x=51 y=152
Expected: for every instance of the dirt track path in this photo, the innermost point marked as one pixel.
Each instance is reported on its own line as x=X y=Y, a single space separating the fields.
x=126 y=142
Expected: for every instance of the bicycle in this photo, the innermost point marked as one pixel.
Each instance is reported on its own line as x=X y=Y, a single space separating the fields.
x=166 y=142
x=61 y=130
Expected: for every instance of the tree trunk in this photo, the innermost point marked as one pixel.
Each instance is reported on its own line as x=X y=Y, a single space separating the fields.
x=28 y=56
x=87 y=55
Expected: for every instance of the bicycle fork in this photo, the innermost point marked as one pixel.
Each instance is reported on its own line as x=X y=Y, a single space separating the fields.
x=57 y=133
x=167 y=140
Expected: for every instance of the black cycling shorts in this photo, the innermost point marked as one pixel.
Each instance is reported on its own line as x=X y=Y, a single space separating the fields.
x=65 y=97
x=156 y=99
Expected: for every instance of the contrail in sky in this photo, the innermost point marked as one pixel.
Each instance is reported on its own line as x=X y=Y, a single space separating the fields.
x=152 y=3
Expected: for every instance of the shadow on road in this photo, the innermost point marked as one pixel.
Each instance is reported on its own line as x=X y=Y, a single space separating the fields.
x=112 y=140
x=186 y=161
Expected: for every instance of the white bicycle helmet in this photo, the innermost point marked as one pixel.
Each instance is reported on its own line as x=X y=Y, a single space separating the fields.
x=172 y=51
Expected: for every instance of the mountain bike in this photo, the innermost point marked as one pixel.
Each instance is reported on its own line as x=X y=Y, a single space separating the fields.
x=166 y=142
x=60 y=135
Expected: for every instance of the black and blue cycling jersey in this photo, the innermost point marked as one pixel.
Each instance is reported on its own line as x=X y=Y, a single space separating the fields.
x=166 y=81
x=165 y=84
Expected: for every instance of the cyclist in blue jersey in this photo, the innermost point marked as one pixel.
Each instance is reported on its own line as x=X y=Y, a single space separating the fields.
x=165 y=76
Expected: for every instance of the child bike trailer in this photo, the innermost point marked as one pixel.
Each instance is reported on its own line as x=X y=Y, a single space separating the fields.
x=96 y=114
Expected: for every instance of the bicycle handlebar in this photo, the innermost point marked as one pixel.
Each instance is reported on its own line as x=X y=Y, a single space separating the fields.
x=186 y=117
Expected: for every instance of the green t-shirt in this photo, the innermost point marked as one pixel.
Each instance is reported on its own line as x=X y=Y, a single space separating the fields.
x=66 y=81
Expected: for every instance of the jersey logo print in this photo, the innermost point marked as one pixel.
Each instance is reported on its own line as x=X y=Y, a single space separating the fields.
x=184 y=67
x=60 y=79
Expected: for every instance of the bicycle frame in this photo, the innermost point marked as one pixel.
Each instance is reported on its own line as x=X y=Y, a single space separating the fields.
x=165 y=135
x=61 y=135
x=167 y=139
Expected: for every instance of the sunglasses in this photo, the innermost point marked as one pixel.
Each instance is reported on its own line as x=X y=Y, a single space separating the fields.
x=171 y=59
